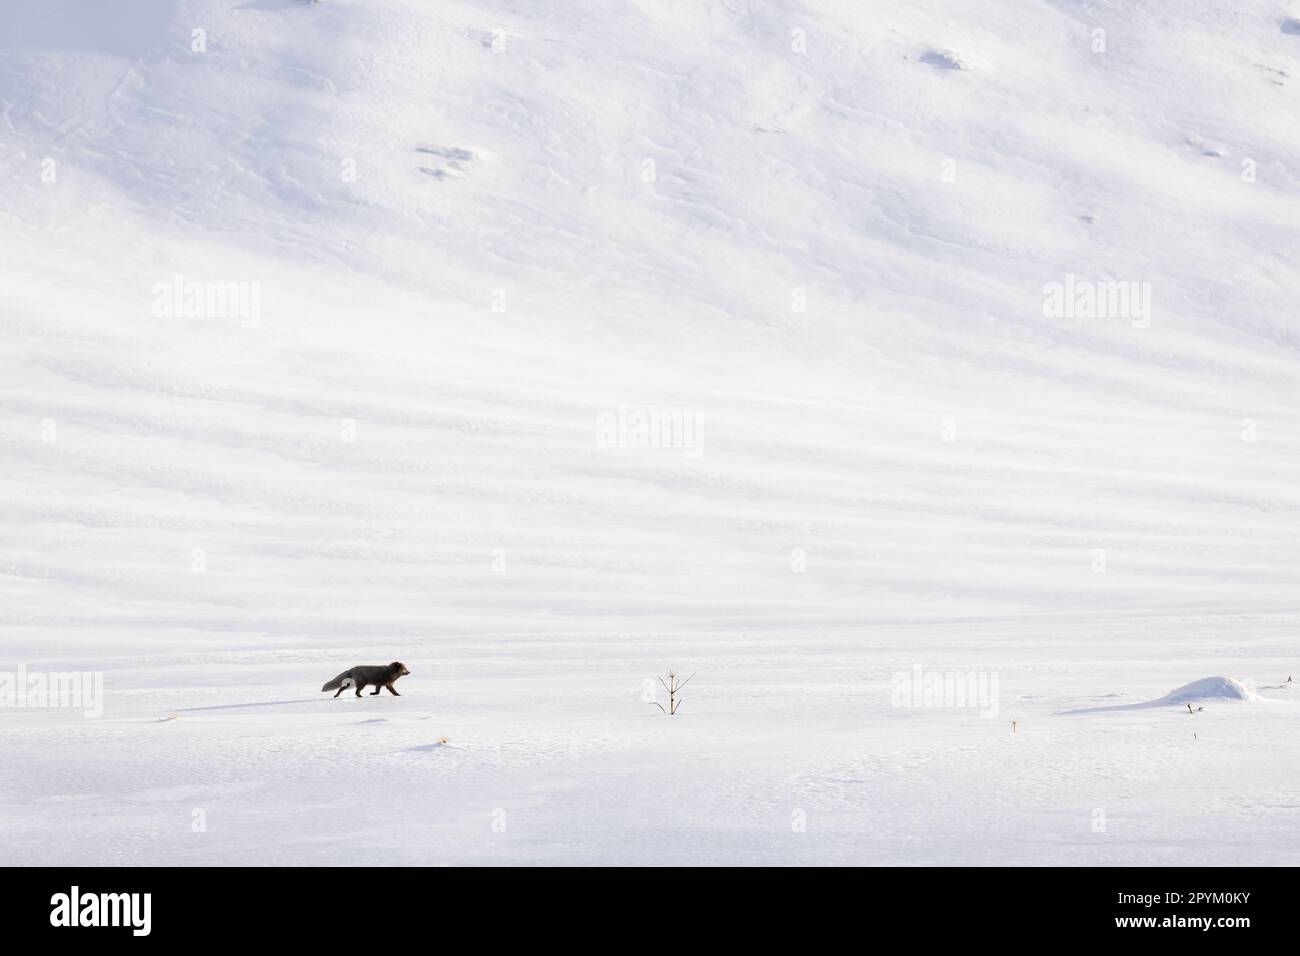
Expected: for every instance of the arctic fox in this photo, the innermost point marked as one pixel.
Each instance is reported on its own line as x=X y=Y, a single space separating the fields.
x=381 y=675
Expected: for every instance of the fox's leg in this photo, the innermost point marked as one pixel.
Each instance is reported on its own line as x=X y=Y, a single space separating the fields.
x=341 y=690
x=378 y=688
x=360 y=687
x=391 y=691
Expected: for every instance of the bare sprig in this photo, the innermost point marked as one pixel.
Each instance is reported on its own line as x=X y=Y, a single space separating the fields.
x=673 y=684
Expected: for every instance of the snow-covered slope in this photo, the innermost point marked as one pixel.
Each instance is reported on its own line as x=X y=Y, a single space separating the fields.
x=473 y=242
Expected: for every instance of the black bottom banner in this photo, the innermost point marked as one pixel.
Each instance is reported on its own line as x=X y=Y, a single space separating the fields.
x=369 y=906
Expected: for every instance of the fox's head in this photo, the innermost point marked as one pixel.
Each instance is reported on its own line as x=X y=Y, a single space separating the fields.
x=400 y=668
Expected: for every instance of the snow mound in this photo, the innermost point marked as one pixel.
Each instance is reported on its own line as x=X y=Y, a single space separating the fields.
x=1207 y=688
x=1210 y=688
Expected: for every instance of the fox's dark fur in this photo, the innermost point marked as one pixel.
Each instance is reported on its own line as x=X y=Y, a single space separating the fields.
x=380 y=675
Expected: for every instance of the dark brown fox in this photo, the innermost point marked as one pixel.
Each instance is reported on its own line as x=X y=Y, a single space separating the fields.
x=380 y=675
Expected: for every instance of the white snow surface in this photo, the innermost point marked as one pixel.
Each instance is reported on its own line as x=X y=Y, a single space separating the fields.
x=820 y=233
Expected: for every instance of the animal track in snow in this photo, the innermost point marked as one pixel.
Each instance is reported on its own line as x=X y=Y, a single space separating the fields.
x=1279 y=77
x=1213 y=150
x=494 y=40
x=457 y=158
x=946 y=60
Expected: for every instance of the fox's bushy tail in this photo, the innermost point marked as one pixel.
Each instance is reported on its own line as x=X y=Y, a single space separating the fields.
x=336 y=683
